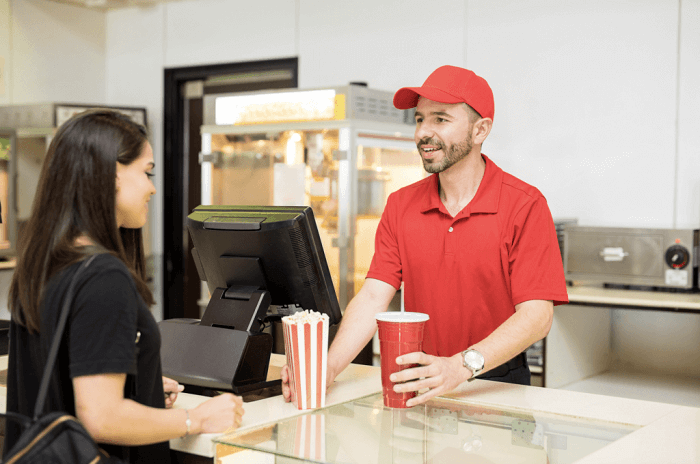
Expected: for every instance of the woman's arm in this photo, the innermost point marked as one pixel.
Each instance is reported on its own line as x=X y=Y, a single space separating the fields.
x=110 y=418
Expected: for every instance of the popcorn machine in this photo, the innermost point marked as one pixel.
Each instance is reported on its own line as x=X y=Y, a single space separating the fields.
x=340 y=150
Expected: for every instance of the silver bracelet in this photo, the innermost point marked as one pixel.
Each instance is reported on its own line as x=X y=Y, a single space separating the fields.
x=188 y=422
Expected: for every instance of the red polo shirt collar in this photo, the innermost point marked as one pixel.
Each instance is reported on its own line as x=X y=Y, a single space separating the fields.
x=485 y=200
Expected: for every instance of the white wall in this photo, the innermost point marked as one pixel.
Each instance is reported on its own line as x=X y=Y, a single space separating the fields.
x=224 y=31
x=57 y=54
x=388 y=44
x=585 y=102
x=687 y=198
x=5 y=47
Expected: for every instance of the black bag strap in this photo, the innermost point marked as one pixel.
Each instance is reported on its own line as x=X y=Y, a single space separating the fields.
x=56 y=342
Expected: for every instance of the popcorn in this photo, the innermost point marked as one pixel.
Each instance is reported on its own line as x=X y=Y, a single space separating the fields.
x=306 y=347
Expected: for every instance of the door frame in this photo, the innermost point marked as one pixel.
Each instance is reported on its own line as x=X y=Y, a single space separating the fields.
x=176 y=176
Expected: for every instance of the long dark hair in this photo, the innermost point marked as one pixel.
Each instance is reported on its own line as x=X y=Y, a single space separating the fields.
x=76 y=196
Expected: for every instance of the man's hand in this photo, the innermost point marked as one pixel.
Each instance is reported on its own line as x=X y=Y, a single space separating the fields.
x=287 y=389
x=437 y=375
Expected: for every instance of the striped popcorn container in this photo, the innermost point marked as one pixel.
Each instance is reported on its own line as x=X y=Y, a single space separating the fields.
x=306 y=347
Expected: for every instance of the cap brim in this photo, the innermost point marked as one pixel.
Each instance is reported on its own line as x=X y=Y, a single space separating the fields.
x=407 y=97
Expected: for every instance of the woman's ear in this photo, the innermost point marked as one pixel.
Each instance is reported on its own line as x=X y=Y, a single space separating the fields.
x=117 y=182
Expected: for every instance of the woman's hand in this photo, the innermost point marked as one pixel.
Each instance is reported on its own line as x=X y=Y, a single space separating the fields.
x=219 y=414
x=171 y=389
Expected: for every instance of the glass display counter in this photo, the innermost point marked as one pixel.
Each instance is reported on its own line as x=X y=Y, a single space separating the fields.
x=440 y=431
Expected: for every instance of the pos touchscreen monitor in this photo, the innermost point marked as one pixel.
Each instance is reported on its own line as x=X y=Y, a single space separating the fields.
x=252 y=257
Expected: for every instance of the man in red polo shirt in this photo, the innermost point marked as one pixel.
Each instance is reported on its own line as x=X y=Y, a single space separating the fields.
x=475 y=248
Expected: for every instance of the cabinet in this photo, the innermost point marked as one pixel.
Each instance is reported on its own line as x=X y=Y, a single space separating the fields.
x=626 y=343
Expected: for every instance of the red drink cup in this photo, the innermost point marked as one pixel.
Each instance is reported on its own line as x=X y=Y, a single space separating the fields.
x=399 y=333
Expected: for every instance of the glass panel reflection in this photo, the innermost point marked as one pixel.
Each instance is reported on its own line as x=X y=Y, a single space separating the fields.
x=441 y=431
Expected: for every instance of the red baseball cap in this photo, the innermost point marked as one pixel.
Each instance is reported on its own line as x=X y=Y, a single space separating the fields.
x=450 y=84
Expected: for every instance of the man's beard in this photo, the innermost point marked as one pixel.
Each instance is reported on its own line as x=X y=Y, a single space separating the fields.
x=453 y=154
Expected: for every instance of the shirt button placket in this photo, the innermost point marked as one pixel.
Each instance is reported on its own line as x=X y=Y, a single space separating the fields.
x=449 y=241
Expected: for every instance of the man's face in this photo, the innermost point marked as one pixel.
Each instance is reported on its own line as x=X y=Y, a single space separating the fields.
x=443 y=134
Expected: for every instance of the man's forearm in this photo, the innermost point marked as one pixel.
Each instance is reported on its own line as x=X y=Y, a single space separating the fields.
x=358 y=324
x=530 y=323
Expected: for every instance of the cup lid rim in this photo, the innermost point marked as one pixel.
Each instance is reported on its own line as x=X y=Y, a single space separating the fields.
x=398 y=316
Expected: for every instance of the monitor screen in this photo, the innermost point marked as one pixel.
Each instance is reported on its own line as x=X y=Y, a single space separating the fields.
x=271 y=248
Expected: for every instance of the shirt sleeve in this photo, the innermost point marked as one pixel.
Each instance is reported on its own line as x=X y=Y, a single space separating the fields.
x=386 y=262
x=103 y=325
x=536 y=268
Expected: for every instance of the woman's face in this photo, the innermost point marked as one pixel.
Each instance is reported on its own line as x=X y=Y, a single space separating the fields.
x=134 y=189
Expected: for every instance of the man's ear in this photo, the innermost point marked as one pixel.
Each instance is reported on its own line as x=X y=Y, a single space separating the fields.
x=481 y=130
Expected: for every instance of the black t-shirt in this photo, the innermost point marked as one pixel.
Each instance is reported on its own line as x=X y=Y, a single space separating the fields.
x=107 y=317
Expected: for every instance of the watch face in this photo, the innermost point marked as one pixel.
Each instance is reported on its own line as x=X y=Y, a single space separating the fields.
x=474 y=359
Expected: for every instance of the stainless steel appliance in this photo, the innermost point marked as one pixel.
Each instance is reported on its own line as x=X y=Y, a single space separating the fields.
x=666 y=258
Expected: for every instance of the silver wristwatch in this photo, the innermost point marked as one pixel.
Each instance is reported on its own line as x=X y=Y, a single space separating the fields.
x=474 y=361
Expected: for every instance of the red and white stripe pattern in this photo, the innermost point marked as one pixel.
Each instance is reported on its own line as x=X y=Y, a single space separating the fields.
x=310 y=437
x=306 y=347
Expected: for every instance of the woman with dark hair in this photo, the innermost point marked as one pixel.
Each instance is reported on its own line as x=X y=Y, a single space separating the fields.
x=91 y=201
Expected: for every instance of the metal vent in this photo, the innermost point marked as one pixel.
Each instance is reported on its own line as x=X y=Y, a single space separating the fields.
x=374 y=105
x=302 y=252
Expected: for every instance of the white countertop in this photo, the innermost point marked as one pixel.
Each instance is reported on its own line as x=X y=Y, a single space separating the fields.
x=668 y=434
x=354 y=382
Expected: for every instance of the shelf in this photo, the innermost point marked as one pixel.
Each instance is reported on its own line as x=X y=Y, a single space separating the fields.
x=656 y=387
x=9 y=264
x=620 y=298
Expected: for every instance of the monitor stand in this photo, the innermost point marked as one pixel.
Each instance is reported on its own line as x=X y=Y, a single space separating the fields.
x=224 y=351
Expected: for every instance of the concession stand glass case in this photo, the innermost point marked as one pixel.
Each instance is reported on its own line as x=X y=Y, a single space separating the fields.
x=340 y=150
x=444 y=430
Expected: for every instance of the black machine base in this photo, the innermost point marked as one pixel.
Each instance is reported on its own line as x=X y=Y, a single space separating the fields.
x=220 y=352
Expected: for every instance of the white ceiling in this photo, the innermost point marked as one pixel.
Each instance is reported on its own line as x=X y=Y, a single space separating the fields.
x=110 y=4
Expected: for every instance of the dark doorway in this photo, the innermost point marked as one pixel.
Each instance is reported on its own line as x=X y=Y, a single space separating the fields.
x=184 y=90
